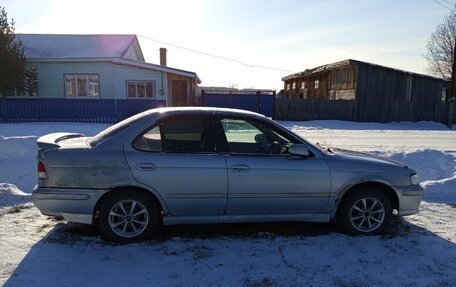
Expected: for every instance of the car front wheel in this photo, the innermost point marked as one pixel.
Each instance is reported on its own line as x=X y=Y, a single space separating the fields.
x=365 y=212
x=128 y=216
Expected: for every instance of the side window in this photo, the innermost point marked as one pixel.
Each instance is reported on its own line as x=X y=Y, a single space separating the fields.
x=192 y=134
x=252 y=137
x=149 y=141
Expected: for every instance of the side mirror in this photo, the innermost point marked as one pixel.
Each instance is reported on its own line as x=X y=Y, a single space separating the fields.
x=298 y=150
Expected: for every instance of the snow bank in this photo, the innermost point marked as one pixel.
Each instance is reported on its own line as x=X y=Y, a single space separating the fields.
x=11 y=195
x=437 y=172
x=443 y=190
x=17 y=161
x=430 y=164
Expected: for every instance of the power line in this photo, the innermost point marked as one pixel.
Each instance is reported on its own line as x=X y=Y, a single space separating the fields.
x=441 y=4
x=453 y=4
x=215 y=56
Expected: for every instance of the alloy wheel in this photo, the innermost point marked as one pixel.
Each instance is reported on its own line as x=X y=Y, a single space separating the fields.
x=367 y=214
x=128 y=218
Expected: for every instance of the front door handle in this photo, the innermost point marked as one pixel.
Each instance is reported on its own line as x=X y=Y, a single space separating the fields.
x=146 y=166
x=240 y=168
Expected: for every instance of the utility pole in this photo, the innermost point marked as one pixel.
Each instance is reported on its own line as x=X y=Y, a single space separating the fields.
x=453 y=87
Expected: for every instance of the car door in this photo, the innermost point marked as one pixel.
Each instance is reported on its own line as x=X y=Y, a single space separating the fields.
x=264 y=179
x=170 y=158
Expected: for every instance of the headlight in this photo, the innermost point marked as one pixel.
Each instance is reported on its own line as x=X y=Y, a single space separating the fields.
x=414 y=179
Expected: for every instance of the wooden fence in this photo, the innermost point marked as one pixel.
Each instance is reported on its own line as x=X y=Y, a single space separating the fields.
x=256 y=101
x=306 y=110
x=349 y=110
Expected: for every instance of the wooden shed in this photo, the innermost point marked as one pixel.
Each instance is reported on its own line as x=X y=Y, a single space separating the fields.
x=379 y=93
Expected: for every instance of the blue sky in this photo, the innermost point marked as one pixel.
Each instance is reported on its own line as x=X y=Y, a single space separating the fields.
x=289 y=35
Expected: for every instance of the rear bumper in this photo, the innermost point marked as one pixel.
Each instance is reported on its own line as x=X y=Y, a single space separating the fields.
x=73 y=204
x=409 y=199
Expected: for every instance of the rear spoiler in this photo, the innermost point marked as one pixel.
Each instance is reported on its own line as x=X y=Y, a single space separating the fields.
x=50 y=141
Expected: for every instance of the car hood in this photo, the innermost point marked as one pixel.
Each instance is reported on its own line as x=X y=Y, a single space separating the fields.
x=364 y=161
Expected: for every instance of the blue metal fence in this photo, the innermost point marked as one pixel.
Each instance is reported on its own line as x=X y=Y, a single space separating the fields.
x=72 y=110
x=262 y=102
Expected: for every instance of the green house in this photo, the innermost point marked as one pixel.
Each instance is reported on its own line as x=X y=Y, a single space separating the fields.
x=99 y=76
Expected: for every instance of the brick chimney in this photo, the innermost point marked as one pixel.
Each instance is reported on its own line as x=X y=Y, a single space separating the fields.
x=163 y=56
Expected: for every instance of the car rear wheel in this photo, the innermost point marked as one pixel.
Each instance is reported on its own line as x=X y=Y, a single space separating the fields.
x=365 y=212
x=128 y=216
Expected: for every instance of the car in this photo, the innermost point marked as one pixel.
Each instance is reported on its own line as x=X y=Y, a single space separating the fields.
x=196 y=165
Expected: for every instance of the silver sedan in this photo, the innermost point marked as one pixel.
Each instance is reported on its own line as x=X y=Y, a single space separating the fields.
x=209 y=165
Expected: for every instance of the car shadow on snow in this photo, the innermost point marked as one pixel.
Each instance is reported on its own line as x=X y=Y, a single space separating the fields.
x=70 y=232
x=290 y=254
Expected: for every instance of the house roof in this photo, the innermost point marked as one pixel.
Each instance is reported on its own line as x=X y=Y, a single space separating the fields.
x=150 y=66
x=115 y=49
x=64 y=46
x=345 y=63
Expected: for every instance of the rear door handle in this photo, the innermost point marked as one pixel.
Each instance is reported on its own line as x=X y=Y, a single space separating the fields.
x=146 y=166
x=240 y=168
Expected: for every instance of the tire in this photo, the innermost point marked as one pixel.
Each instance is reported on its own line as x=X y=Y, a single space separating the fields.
x=128 y=216
x=366 y=211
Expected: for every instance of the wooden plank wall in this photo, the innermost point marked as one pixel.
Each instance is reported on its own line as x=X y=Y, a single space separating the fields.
x=306 y=110
x=426 y=95
x=385 y=95
x=380 y=93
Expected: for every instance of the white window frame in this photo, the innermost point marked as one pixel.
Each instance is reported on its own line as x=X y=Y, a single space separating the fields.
x=92 y=88
x=443 y=95
x=317 y=84
x=140 y=83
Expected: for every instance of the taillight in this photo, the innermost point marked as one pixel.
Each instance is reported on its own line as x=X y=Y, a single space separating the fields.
x=41 y=171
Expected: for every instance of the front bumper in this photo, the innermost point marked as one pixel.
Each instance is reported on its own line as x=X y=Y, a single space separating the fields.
x=409 y=199
x=73 y=204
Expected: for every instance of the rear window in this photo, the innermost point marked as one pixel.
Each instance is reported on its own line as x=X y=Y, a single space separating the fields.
x=112 y=130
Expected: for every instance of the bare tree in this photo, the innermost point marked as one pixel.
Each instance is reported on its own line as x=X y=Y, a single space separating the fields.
x=440 y=47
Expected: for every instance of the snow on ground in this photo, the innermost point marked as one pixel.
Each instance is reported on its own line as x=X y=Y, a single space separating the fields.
x=420 y=250
x=398 y=137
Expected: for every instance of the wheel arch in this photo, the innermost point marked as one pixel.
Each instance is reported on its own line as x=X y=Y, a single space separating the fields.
x=387 y=189
x=152 y=195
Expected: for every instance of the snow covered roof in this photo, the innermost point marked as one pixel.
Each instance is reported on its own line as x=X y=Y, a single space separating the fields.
x=63 y=46
x=345 y=63
x=118 y=49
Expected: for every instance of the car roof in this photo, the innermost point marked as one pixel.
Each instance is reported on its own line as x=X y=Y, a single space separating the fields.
x=166 y=111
